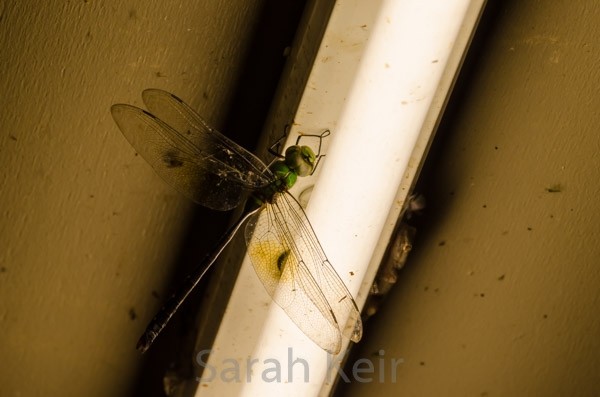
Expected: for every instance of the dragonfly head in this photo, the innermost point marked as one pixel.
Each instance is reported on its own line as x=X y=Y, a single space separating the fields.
x=300 y=159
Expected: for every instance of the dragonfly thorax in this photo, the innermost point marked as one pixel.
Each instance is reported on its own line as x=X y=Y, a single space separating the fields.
x=283 y=179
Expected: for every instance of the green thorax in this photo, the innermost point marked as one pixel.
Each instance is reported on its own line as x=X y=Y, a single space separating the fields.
x=298 y=161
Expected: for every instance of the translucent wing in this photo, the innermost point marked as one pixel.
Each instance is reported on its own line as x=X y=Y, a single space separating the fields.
x=292 y=266
x=183 y=119
x=193 y=158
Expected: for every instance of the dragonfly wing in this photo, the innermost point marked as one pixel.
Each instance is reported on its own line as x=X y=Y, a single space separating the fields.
x=209 y=175
x=189 y=124
x=307 y=246
x=290 y=262
x=284 y=278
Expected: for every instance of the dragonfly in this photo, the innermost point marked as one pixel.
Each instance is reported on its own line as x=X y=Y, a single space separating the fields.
x=214 y=171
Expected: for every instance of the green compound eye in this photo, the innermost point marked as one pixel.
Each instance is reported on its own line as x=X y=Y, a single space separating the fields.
x=300 y=159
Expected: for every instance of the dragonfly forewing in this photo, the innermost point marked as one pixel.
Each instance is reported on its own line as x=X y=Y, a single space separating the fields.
x=183 y=119
x=206 y=174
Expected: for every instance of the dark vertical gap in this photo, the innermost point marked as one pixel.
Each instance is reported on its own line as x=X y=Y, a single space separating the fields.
x=258 y=82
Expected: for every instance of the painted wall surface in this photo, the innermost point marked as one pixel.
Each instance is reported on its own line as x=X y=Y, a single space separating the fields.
x=86 y=227
x=500 y=295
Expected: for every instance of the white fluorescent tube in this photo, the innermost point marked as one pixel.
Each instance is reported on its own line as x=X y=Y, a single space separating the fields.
x=376 y=76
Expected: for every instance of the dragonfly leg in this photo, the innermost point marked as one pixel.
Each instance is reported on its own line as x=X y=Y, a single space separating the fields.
x=320 y=136
x=275 y=148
